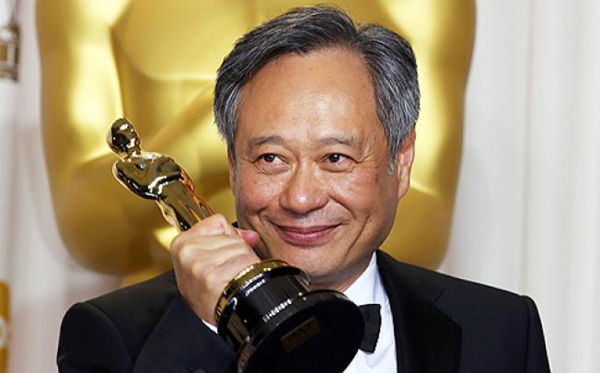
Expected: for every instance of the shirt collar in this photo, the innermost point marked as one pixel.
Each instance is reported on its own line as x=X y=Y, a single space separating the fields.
x=367 y=288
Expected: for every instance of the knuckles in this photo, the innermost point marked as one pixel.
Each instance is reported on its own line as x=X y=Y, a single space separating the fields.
x=207 y=247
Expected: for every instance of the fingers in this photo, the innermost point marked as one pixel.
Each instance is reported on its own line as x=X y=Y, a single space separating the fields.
x=213 y=225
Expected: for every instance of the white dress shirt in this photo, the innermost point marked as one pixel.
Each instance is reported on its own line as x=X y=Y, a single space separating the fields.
x=368 y=289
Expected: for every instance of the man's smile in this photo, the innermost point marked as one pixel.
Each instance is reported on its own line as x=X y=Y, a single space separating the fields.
x=306 y=236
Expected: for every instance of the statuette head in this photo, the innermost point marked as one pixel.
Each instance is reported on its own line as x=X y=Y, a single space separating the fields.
x=123 y=139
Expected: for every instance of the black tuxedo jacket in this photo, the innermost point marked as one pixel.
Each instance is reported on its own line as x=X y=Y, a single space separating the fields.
x=441 y=324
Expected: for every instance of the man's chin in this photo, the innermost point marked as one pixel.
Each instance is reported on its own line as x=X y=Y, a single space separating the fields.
x=304 y=258
x=320 y=270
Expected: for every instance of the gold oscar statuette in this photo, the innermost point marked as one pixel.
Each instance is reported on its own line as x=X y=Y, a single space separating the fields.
x=267 y=311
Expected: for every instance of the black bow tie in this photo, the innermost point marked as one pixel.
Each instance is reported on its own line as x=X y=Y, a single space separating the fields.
x=372 y=316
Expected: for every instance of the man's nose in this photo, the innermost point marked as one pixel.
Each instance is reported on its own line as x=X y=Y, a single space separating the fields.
x=303 y=192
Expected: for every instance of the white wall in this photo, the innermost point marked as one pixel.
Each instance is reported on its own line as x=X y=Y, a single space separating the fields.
x=527 y=215
x=44 y=281
x=527 y=211
x=7 y=115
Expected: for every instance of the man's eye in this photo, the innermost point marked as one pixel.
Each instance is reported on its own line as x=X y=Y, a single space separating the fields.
x=337 y=162
x=335 y=157
x=270 y=163
x=269 y=158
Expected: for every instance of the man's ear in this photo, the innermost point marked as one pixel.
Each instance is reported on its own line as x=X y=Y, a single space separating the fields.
x=404 y=161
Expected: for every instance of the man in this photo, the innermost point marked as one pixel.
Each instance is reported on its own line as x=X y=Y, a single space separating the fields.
x=319 y=119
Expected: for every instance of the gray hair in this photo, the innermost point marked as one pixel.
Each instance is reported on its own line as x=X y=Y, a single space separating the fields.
x=389 y=58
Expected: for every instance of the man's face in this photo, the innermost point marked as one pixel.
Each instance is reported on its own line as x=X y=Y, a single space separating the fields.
x=312 y=173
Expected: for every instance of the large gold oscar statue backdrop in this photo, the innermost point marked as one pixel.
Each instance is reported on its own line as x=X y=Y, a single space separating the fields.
x=155 y=61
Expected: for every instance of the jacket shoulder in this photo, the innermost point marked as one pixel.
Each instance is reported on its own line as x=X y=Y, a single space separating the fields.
x=497 y=327
x=444 y=288
x=153 y=295
x=130 y=313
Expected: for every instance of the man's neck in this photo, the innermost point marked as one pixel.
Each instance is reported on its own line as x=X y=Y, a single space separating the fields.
x=344 y=280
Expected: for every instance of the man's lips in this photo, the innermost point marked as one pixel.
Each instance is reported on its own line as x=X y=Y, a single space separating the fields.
x=306 y=236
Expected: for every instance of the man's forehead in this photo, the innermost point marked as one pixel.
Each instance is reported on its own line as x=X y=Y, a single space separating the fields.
x=330 y=68
x=309 y=99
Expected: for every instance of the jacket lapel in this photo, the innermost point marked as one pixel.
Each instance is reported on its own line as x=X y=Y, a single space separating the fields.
x=426 y=339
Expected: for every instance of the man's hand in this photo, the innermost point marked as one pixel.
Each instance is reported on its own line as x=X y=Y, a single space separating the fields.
x=206 y=257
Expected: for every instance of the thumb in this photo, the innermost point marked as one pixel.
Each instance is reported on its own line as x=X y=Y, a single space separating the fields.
x=251 y=237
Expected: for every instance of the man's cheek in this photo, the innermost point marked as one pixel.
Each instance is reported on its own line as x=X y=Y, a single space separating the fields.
x=257 y=193
x=353 y=186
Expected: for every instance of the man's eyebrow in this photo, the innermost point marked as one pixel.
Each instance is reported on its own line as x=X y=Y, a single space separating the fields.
x=337 y=140
x=270 y=139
